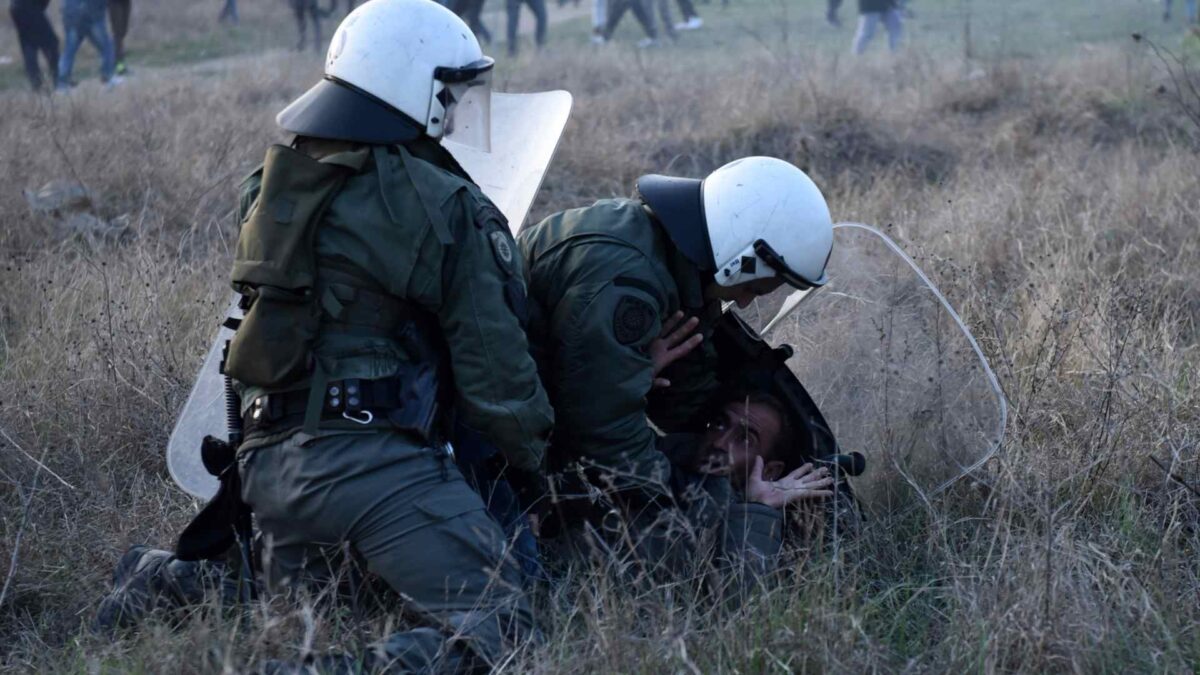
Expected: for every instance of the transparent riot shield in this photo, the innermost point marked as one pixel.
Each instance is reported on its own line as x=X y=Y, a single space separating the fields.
x=525 y=132
x=203 y=415
x=892 y=367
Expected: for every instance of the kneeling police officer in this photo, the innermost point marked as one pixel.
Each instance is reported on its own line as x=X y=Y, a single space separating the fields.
x=604 y=281
x=382 y=292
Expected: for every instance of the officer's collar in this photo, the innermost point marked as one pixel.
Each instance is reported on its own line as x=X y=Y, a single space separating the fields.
x=429 y=150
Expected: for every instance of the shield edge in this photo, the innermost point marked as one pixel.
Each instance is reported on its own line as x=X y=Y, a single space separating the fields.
x=987 y=367
x=463 y=156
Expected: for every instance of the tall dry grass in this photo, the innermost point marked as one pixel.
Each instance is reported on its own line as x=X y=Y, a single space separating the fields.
x=1054 y=202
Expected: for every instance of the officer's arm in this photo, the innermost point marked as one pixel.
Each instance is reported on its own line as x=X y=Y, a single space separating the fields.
x=602 y=374
x=481 y=315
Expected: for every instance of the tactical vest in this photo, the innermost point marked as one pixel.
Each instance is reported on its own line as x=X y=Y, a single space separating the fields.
x=292 y=298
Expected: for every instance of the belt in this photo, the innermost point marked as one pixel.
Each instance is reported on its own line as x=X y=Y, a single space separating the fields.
x=366 y=402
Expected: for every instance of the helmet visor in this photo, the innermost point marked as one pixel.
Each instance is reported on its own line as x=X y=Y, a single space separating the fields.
x=468 y=102
x=775 y=261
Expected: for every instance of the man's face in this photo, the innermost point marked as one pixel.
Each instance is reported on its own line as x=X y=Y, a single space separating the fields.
x=741 y=432
x=743 y=294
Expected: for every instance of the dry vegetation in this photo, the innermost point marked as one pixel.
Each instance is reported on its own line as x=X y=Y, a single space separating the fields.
x=1055 y=202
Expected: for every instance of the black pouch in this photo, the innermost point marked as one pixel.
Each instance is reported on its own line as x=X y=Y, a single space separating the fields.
x=275 y=270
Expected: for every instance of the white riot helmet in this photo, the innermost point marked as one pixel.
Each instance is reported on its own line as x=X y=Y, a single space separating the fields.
x=397 y=69
x=754 y=218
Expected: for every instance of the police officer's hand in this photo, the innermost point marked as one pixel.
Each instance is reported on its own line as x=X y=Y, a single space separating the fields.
x=805 y=483
x=677 y=339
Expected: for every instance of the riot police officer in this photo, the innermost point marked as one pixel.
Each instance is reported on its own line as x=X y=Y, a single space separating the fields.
x=382 y=292
x=604 y=279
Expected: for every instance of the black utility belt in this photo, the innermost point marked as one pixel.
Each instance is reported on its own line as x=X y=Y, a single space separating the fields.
x=365 y=402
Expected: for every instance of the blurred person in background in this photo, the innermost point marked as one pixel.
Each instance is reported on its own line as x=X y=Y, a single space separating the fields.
x=538 y=7
x=831 y=13
x=229 y=12
x=615 y=11
x=471 y=11
x=871 y=14
x=119 y=12
x=1189 y=9
x=36 y=36
x=691 y=18
x=663 y=8
x=599 y=20
x=86 y=19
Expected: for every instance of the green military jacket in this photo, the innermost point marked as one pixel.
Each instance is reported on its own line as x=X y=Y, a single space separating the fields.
x=603 y=279
x=429 y=236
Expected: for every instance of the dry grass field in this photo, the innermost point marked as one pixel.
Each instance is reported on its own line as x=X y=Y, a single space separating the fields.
x=1044 y=171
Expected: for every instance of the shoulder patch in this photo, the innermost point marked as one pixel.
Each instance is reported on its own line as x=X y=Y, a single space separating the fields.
x=502 y=249
x=632 y=319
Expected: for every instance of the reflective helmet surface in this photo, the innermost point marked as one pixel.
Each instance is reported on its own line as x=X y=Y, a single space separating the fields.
x=393 y=71
x=754 y=218
x=765 y=218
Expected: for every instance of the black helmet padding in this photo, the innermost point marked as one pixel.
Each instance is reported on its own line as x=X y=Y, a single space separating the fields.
x=338 y=111
x=678 y=203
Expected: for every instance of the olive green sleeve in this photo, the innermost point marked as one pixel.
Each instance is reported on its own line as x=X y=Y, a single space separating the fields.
x=602 y=374
x=483 y=300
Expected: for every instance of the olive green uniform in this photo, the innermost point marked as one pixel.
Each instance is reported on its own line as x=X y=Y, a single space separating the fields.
x=408 y=229
x=602 y=280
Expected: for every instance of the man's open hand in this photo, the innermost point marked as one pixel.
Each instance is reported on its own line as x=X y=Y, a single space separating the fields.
x=677 y=339
x=805 y=483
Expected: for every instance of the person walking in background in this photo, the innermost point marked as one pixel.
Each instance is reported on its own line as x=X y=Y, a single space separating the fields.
x=663 y=7
x=616 y=11
x=118 y=17
x=871 y=14
x=599 y=20
x=691 y=18
x=471 y=11
x=514 y=15
x=1189 y=8
x=831 y=13
x=86 y=19
x=228 y=12
x=36 y=36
